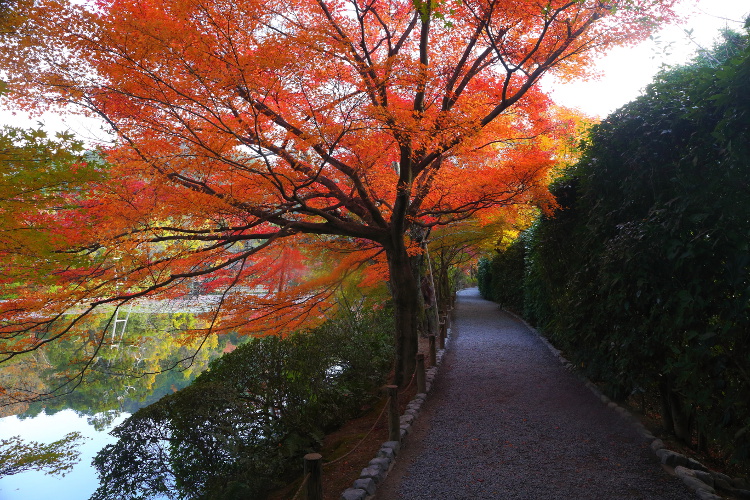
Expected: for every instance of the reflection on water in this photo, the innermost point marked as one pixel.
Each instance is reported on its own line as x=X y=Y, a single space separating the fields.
x=130 y=372
x=80 y=483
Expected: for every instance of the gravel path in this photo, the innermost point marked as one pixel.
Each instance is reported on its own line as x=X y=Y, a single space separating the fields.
x=506 y=421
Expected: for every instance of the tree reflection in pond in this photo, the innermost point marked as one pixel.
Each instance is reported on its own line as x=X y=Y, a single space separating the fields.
x=127 y=375
x=137 y=366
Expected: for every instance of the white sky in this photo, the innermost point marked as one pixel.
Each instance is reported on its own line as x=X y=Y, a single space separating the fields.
x=625 y=70
x=79 y=482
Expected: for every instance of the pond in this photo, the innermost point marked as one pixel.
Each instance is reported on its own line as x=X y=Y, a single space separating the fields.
x=143 y=362
x=81 y=482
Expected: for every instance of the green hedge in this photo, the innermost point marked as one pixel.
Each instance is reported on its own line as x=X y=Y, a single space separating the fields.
x=643 y=277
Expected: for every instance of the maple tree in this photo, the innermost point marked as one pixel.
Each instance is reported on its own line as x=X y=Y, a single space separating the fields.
x=245 y=128
x=37 y=176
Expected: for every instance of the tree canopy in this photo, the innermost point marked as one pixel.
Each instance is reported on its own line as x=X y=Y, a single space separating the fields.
x=247 y=129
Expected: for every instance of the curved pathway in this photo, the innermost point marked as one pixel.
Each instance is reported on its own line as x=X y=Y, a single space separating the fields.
x=506 y=421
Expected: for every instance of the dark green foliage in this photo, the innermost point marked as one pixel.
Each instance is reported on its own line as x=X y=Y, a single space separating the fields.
x=507 y=272
x=644 y=277
x=501 y=279
x=484 y=278
x=551 y=251
x=244 y=425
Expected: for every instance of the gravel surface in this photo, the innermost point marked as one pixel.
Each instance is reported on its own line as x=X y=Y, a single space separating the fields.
x=506 y=421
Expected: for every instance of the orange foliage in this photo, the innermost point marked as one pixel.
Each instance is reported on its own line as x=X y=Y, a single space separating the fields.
x=245 y=126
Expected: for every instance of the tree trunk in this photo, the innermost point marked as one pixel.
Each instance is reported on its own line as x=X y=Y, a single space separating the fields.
x=405 y=292
x=675 y=415
x=681 y=416
x=666 y=408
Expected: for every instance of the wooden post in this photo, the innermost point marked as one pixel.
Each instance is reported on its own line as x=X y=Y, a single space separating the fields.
x=443 y=330
x=421 y=381
x=433 y=351
x=314 y=467
x=394 y=424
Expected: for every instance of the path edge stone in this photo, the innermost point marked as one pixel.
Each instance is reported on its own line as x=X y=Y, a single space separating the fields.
x=379 y=467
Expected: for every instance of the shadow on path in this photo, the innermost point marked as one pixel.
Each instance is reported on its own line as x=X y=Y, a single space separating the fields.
x=506 y=421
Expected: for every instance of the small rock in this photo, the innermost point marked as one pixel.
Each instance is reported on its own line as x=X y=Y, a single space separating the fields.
x=612 y=404
x=671 y=458
x=387 y=453
x=696 y=465
x=705 y=477
x=366 y=484
x=707 y=495
x=354 y=494
x=376 y=473
x=393 y=445
x=382 y=463
x=684 y=472
x=406 y=419
x=719 y=476
x=646 y=434
x=696 y=484
x=657 y=444
x=742 y=494
x=700 y=475
x=721 y=484
x=740 y=483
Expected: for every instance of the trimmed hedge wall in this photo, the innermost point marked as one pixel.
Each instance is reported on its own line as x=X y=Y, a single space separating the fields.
x=643 y=276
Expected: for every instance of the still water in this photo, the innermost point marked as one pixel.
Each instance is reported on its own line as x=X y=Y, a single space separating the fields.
x=114 y=388
x=78 y=484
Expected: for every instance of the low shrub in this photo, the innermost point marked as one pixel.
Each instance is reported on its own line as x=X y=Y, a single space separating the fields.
x=242 y=427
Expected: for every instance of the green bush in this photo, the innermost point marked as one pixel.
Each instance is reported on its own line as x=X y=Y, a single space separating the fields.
x=644 y=277
x=240 y=428
x=507 y=270
x=484 y=278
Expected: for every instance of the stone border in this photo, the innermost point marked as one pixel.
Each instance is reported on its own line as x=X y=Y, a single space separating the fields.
x=703 y=481
x=373 y=475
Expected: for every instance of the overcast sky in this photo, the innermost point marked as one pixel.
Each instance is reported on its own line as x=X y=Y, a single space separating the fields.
x=628 y=70
x=625 y=71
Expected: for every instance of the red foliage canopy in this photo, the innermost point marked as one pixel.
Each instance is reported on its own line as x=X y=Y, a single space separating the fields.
x=241 y=124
